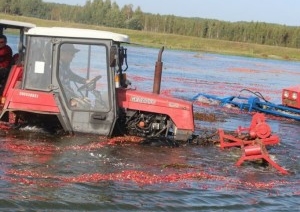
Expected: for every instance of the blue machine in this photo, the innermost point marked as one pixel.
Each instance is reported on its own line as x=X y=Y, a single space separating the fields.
x=254 y=103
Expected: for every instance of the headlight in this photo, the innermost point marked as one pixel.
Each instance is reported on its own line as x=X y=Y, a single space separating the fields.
x=286 y=94
x=294 y=96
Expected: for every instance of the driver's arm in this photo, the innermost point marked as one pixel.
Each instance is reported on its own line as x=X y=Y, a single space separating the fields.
x=76 y=78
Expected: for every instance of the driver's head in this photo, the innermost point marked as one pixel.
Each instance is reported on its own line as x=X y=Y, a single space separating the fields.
x=3 y=41
x=68 y=51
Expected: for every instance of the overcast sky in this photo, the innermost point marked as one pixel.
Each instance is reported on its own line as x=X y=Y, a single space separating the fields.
x=270 y=11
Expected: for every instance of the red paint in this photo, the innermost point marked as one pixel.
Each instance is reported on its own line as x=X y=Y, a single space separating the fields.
x=258 y=129
x=253 y=145
x=257 y=151
x=180 y=111
x=252 y=150
x=289 y=100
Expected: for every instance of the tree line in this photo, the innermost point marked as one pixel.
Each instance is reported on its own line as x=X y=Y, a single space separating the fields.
x=108 y=13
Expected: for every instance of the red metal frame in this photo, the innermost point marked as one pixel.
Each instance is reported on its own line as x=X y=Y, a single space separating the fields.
x=26 y=100
x=227 y=140
x=32 y=101
x=289 y=101
x=14 y=77
x=257 y=151
x=258 y=129
x=180 y=111
x=253 y=143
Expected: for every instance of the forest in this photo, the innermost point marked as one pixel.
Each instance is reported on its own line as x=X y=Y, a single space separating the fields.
x=108 y=13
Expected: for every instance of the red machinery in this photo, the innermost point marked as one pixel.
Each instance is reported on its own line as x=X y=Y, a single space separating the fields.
x=255 y=151
x=291 y=97
x=99 y=100
x=252 y=140
x=258 y=129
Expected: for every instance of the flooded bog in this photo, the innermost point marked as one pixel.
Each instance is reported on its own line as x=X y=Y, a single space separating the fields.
x=45 y=172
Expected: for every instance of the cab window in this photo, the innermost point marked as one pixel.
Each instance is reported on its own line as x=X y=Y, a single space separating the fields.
x=83 y=77
x=38 y=64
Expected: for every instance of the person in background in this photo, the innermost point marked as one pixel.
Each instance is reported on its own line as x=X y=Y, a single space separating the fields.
x=5 y=61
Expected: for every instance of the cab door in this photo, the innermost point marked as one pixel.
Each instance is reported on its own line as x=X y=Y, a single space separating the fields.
x=86 y=87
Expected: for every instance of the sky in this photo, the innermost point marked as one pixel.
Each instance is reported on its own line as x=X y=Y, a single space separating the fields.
x=284 y=12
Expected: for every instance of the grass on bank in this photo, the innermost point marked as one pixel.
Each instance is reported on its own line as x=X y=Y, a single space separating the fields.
x=179 y=42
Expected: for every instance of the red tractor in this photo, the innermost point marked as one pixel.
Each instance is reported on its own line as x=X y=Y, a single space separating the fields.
x=91 y=93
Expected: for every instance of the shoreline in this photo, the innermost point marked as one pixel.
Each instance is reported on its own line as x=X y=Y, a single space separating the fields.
x=179 y=42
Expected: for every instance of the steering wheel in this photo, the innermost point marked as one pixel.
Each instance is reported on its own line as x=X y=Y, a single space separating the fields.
x=91 y=85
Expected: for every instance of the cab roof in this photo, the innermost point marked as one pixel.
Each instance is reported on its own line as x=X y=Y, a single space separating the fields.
x=15 y=24
x=77 y=33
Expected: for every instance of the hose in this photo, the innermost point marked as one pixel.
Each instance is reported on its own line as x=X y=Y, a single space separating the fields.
x=258 y=94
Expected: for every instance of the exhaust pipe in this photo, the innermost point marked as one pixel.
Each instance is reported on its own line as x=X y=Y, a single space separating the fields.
x=158 y=73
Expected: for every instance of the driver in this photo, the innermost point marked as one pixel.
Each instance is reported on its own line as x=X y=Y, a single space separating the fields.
x=66 y=75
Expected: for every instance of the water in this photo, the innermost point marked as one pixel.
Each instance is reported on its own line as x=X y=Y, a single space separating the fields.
x=44 y=172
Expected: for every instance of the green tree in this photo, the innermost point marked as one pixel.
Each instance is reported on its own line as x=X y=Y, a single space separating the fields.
x=5 y=6
x=103 y=12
